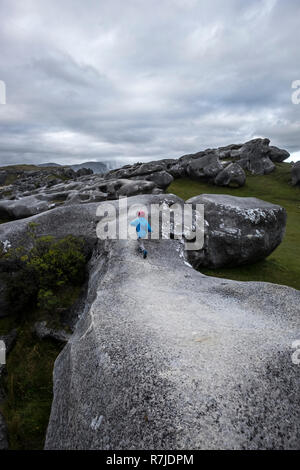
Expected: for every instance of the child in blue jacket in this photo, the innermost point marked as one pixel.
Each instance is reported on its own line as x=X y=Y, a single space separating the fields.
x=142 y=228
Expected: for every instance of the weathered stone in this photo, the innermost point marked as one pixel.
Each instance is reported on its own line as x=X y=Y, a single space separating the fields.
x=239 y=230
x=84 y=172
x=277 y=155
x=196 y=167
x=162 y=179
x=166 y=358
x=9 y=340
x=254 y=156
x=43 y=331
x=233 y=175
x=25 y=207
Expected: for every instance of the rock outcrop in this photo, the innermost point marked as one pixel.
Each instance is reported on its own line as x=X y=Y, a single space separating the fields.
x=223 y=166
x=24 y=207
x=166 y=358
x=163 y=357
x=237 y=230
x=232 y=175
x=27 y=192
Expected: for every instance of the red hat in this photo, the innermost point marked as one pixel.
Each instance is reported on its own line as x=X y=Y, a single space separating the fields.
x=141 y=213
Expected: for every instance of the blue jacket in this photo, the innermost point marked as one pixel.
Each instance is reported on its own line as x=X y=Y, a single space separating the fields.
x=142 y=226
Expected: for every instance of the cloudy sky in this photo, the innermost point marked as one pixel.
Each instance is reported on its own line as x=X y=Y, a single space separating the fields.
x=138 y=80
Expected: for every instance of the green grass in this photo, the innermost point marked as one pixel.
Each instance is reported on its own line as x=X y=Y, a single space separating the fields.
x=283 y=265
x=22 y=167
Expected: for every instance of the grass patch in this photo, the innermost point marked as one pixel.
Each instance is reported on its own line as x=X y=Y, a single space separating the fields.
x=283 y=265
x=22 y=167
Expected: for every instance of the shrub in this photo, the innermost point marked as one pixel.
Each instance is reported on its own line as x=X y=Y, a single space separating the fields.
x=47 y=301
x=47 y=267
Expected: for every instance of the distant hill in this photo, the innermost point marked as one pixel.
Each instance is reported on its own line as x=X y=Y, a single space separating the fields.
x=49 y=164
x=97 y=167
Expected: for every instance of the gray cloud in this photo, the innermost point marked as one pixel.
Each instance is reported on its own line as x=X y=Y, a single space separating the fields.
x=141 y=80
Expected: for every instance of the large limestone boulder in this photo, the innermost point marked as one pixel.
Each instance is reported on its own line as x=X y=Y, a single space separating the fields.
x=238 y=230
x=24 y=207
x=204 y=167
x=233 y=175
x=126 y=187
x=165 y=358
x=277 y=155
x=162 y=179
x=254 y=156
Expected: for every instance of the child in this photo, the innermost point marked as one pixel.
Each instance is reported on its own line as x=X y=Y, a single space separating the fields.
x=142 y=227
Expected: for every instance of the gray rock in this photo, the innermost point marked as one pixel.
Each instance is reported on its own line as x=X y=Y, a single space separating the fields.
x=239 y=230
x=25 y=207
x=233 y=175
x=151 y=171
x=196 y=167
x=177 y=170
x=84 y=172
x=162 y=179
x=149 y=168
x=43 y=331
x=126 y=187
x=295 y=173
x=165 y=358
x=9 y=340
x=59 y=222
x=277 y=155
x=254 y=157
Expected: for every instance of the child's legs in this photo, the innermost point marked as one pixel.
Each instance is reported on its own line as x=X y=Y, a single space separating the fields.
x=141 y=244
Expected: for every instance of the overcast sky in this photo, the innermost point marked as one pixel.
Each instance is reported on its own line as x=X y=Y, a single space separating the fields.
x=138 y=80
